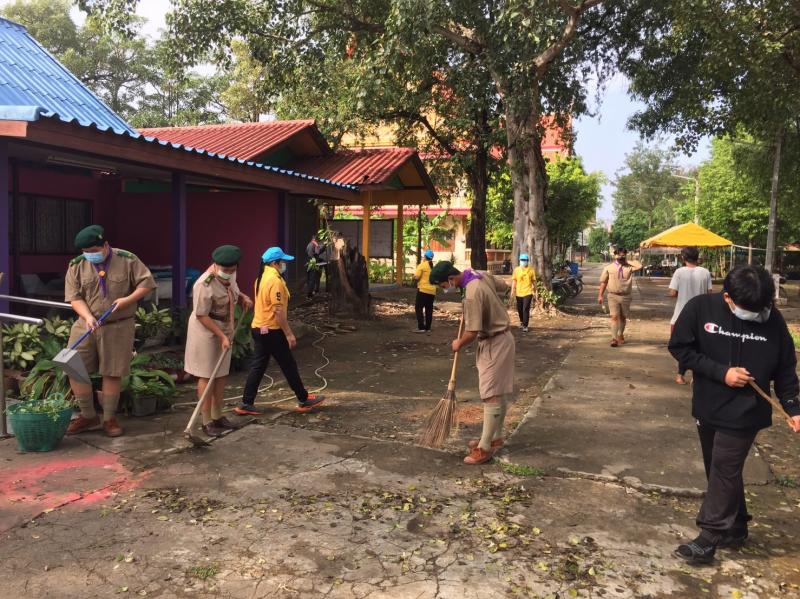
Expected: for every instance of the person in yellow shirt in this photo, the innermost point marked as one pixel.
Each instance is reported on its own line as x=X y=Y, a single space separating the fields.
x=272 y=335
x=523 y=286
x=426 y=293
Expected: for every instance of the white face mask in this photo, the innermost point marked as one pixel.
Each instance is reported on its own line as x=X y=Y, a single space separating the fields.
x=451 y=289
x=749 y=316
x=282 y=267
x=225 y=276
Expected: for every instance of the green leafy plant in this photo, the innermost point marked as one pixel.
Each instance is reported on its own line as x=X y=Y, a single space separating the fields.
x=45 y=379
x=21 y=345
x=381 y=273
x=547 y=298
x=166 y=360
x=58 y=328
x=242 y=347
x=795 y=337
x=155 y=323
x=52 y=405
x=143 y=381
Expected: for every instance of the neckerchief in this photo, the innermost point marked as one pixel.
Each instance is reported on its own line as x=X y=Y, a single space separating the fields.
x=102 y=271
x=620 y=269
x=468 y=276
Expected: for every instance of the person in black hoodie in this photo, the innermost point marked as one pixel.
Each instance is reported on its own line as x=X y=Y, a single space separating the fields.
x=729 y=339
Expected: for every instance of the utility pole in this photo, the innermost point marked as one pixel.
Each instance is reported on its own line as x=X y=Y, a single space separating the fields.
x=773 y=202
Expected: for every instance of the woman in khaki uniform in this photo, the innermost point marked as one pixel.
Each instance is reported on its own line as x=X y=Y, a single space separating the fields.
x=210 y=332
x=102 y=277
x=485 y=319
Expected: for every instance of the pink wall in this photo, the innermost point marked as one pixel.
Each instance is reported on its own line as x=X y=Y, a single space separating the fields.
x=243 y=218
x=141 y=222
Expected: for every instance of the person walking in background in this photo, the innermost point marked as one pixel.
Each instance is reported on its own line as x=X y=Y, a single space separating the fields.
x=728 y=340
x=523 y=287
x=315 y=252
x=617 y=277
x=426 y=293
x=272 y=335
x=210 y=331
x=688 y=281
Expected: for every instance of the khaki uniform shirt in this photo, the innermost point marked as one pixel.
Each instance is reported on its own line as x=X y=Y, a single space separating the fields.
x=620 y=282
x=213 y=299
x=124 y=273
x=484 y=311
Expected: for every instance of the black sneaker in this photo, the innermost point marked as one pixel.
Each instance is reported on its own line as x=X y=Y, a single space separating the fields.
x=700 y=551
x=246 y=409
x=734 y=538
x=212 y=430
x=310 y=403
x=226 y=424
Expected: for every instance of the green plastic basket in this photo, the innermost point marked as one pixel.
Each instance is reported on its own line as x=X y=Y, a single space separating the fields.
x=39 y=432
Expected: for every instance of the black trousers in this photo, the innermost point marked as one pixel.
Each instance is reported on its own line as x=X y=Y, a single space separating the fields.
x=424 y=303
x=524 y=309
x=724 y=455
x=273 y=344
x=312 y=281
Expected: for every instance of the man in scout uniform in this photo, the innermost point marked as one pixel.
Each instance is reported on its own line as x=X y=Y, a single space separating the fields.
x=523 y=285
x=99 y=278
x=272 y=335
x=426 y=293
x=485 y=319
x=210 y=331
x=617 y=277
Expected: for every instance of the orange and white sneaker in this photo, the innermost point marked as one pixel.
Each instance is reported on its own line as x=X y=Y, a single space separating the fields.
x=496 y=444
x=81 y=425
x=478 y=456
x=311 y=402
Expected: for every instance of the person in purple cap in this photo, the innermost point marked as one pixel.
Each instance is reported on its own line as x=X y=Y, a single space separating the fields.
x=272 y=335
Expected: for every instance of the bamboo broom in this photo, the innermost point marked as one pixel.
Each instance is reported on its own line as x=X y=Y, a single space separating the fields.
x=444 y=418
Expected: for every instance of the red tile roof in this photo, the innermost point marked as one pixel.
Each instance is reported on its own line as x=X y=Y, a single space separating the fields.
x=244 y=141
x=391 y=211
x=371 y=166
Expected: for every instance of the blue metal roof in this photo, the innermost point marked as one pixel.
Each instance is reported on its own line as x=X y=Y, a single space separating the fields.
x=31 y=76
x=33 y=84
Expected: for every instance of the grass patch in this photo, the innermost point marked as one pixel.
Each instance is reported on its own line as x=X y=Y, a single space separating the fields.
x=521 y=470
x=204 y=572
x=787 y=481
x=795 y=337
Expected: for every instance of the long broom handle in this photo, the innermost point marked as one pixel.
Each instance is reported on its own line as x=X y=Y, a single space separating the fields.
x=452 y=384
x=775 y=404
x=209 y=385
x=100 y=320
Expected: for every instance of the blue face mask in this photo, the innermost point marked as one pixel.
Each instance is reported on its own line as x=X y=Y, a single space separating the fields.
x=94 y=257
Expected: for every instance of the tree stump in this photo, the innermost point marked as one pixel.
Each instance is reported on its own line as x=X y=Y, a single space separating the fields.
x=347 y=281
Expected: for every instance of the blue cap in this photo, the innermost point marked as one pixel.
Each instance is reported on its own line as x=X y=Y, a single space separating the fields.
x=429 y=253
x=274 y=254
x=523 y=257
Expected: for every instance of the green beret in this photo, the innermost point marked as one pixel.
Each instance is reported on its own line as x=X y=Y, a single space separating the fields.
x=441 y=272
x=227 y=255
x=91 y=236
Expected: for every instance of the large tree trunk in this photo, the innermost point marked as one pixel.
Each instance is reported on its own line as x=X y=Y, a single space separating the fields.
x=772 y=229
x=519 y=184
x=536 y=237
x=479 y=181
x=348 y=281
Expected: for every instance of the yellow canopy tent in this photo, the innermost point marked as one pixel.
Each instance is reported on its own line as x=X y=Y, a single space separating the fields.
x=683 y=235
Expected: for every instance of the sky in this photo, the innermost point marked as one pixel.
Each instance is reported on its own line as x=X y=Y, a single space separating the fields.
x=602 y=141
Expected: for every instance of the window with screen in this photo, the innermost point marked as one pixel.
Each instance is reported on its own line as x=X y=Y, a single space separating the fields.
x=48 y=225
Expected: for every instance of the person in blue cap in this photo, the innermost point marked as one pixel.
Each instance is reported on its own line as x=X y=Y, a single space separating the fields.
x=426 y=293
x=523 y=288
x=272 y=335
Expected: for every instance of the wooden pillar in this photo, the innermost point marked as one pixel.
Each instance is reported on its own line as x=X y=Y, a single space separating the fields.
x=179 y=240
x=5 y=227
x=400 y=269
x=365 y=228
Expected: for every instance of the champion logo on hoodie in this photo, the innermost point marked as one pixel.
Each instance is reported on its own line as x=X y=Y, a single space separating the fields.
x=715 y=329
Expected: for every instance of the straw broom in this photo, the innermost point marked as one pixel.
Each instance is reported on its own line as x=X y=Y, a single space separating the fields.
x=444 y=418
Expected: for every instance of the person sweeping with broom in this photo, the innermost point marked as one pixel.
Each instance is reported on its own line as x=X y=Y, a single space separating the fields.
x=210 y=332
x=484 y=318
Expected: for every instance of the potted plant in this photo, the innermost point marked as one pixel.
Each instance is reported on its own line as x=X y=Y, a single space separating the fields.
x=170 y=363
x=40 y=424
x=152 y=327
x=144 y=387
